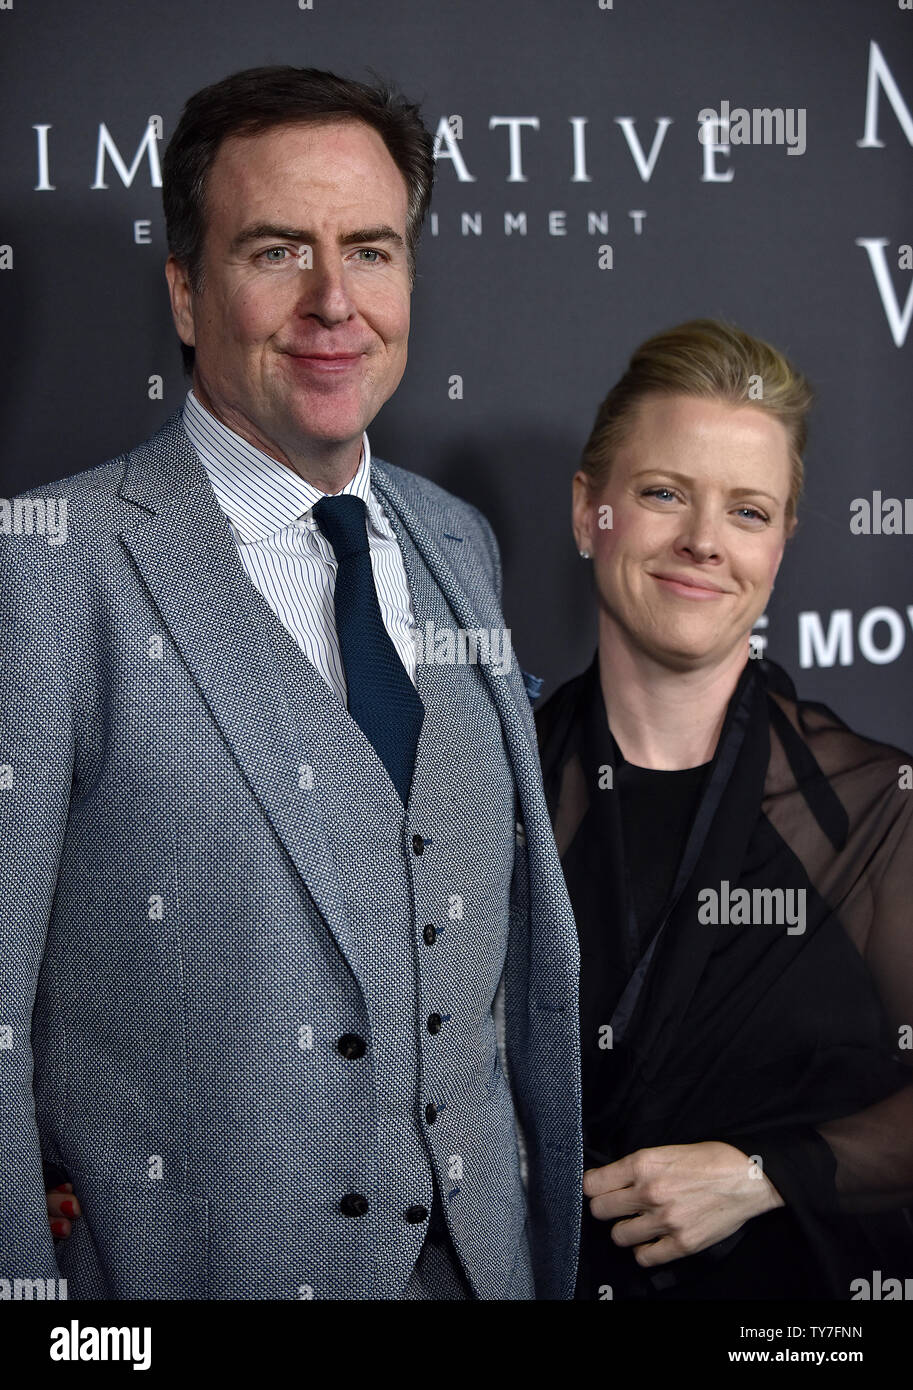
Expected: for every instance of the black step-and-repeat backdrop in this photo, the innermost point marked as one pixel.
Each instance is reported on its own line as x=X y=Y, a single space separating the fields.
x=605 y=170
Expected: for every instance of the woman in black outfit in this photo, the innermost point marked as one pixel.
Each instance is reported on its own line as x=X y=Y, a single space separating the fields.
x=740 y=865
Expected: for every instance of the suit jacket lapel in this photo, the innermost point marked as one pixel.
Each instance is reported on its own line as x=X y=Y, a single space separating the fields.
x=184 y=549
x=440 y=548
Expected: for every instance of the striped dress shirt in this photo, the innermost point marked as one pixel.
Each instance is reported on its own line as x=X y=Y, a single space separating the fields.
x=286 y=555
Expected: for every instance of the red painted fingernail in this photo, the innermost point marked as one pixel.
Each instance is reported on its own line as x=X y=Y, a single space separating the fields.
x=68 y=1207
x=58 y=1228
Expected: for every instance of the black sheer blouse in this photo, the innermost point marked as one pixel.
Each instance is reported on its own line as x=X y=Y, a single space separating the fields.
x=747 y=976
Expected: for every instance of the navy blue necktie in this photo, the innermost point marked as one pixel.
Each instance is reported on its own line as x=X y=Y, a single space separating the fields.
x=382 y=699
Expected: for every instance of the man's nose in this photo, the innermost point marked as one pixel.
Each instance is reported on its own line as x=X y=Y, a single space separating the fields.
x=323 y=287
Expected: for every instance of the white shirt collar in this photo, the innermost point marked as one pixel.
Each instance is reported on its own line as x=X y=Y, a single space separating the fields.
x=257 y=493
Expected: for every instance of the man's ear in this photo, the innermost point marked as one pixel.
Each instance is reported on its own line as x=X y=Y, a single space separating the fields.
x=181 y=296
x=581 y=511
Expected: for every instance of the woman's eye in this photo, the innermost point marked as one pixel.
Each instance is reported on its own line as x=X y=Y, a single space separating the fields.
x=752 y=514
x=661 y=492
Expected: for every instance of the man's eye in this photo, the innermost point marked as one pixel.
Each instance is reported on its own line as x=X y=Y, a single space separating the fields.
x=268 y=254
x=370 y=251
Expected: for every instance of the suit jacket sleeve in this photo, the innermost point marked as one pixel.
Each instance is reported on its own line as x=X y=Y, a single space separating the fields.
x=36 y=764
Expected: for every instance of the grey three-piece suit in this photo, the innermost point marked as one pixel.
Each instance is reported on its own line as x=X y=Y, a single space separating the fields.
x=223 y=937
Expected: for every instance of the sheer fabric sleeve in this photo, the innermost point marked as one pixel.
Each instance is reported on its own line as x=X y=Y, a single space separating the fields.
x=869 y=885
x=874 y=1148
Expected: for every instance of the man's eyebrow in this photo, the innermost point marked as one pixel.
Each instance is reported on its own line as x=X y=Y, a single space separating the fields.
x=382 y=233
x=263 y=231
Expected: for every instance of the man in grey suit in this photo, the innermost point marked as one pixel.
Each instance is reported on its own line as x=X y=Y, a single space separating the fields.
x=267 y=858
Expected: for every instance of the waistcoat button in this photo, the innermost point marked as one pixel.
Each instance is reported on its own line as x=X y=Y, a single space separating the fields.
x=353 y=1204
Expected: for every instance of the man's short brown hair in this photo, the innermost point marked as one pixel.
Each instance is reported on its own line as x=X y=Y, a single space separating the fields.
x=258 y=99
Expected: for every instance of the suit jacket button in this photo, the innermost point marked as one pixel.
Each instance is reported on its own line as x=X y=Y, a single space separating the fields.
x=434 y=1023
x=429 y=933
x=415 y=1215
x=431 y=1113
x=418 y=844
x=352 y=1046
x=353 y=1204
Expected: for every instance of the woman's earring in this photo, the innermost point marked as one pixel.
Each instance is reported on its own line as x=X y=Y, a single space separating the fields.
x=584 y=554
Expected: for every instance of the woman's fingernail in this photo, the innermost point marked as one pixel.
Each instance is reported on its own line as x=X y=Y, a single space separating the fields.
x=68 y=1207
x=59 y=1228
